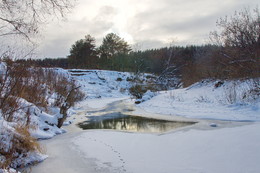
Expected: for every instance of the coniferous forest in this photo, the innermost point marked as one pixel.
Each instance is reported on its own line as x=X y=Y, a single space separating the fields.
x=233 y=53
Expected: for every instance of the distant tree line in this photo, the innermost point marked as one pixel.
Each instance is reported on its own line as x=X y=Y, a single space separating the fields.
x=233 y=53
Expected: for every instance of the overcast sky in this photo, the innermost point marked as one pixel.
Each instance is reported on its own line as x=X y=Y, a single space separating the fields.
x=143 y=23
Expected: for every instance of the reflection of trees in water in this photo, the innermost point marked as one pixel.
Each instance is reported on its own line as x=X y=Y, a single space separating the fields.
x=132 y=123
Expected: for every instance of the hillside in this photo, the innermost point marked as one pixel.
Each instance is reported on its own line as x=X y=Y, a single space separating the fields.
x=223 y=100
x=31 y=103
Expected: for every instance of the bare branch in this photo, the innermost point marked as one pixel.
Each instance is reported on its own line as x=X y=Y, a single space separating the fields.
x=24 y=17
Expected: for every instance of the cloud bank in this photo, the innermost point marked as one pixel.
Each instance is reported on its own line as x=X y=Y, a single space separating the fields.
x=148 y=23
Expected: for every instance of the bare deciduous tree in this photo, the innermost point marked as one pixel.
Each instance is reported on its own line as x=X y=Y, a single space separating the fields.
x=23 y=17
x=239 y=39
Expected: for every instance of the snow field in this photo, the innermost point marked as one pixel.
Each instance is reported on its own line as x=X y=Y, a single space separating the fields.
x=205 y=101
x=228 y=150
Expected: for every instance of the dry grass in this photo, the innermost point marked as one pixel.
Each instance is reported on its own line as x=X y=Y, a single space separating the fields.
x=34 y=85
x=20 y=145
x=26 y=141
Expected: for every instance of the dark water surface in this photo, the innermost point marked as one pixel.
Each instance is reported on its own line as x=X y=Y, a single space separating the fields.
x=119 y=121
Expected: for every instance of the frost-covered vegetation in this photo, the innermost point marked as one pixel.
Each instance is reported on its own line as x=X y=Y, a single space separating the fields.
x=34 y=103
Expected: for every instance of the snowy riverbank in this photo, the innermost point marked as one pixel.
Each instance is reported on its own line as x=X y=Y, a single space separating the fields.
x=209 y=146
x=225 y=100
x=230 y=148
x=223 y=148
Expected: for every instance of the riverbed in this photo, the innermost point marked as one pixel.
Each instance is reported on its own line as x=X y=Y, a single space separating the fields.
x=107 y=150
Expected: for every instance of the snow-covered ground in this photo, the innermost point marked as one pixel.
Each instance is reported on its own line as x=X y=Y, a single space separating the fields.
x=217 y=149
x=221 y=100
x=102 y=83
x=232 y=100
x=229 y=148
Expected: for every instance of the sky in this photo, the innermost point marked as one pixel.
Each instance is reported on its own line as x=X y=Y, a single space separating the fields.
x=144 y=24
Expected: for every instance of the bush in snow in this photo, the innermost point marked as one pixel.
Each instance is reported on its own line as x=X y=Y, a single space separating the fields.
x=137 y=91
x=242 y=92
x=17 y=147
x=147 y=96
x=143 y=86
x=41 y=87
x=27 y=95
x=141 y=93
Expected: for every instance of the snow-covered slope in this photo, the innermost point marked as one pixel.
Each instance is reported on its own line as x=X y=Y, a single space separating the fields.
x=223 y=100
x=40 y=123
x=102 y=83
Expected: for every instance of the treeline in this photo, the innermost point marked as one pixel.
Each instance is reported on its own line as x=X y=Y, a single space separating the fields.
x=47 y=62
x=233 y=53
x=151 y=61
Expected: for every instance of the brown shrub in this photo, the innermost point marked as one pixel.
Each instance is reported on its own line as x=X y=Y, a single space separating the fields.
x=139 y=90
x=20 y=145
x=239 y=42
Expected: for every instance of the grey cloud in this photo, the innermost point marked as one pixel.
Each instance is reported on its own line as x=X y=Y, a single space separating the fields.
x=195 y=25
x=152 y=24
x=195 y=19
x=105 y=13
x=58 y=45
x=56 y=48
x=148 y=44
x=103 y=21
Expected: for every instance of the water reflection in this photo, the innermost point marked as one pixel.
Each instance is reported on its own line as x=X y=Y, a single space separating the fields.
x=118 y=121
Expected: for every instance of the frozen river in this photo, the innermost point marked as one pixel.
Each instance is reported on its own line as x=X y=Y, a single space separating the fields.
x=207 y=146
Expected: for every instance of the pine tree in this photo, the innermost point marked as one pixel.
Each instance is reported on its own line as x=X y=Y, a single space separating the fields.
x=83 y=53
